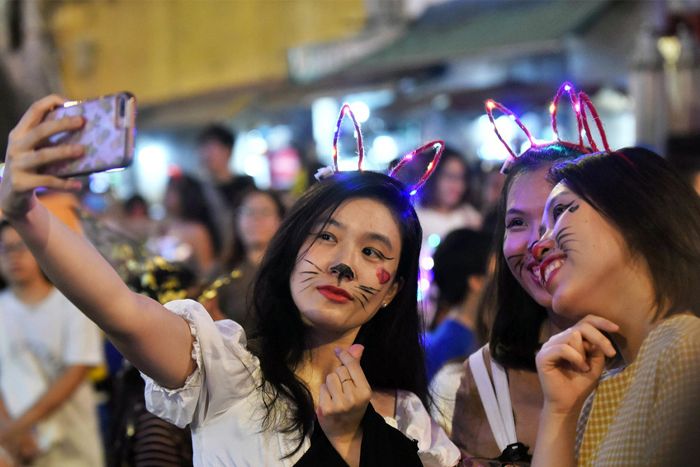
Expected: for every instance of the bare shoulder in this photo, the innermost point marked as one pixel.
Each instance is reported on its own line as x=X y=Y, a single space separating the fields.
x=384 y=402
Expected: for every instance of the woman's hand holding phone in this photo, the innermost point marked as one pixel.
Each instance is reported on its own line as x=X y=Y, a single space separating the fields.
x=27 y=154
x=571 y=362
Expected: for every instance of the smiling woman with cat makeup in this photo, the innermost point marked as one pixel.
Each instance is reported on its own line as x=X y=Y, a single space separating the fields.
x=621 y=255
x=334 y=372
x=522 y=311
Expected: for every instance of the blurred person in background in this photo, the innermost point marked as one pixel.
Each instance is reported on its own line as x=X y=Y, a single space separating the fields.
x=221 y=187
x=461 y=266
x=215 y=147
x=492 y=185
x=135 y=219
x=188 y=234
x=442 y=208
x=459 y=275
x=443 y=205
x=48 y=415
x=257 y=219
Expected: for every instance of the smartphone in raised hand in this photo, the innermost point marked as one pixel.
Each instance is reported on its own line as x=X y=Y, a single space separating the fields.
x=108 y=134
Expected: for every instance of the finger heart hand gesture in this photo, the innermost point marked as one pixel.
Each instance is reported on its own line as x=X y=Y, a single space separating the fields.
x=344 y=397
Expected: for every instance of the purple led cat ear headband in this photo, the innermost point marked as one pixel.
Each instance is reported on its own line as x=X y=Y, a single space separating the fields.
x=437 y=145
x=579 y=102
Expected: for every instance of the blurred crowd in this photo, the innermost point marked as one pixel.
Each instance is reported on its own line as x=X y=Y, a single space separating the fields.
x=207 y=247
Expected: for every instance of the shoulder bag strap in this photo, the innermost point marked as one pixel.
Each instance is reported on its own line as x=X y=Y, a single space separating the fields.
x=497 y=404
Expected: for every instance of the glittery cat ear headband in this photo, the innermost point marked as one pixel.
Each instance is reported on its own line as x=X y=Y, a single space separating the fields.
x=580 y=103
x=437 y=145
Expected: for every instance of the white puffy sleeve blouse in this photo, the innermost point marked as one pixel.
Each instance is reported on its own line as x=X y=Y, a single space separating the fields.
x=221 y=401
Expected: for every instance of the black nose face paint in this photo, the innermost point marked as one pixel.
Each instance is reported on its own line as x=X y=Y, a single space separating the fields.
x=343 y=270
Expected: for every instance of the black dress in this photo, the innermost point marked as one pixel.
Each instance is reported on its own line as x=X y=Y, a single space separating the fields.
x=382 y=446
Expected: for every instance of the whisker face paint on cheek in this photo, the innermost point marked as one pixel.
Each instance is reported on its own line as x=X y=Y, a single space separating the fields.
x=312 y=264
x=383 y=276
x=367 y=289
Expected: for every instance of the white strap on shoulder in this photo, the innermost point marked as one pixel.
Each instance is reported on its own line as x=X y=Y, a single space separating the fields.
x=497 y=404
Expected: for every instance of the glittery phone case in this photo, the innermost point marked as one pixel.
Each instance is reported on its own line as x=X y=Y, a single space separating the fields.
x=108 y=134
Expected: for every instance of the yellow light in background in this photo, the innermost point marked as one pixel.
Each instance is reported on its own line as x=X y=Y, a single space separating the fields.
x=670 y=48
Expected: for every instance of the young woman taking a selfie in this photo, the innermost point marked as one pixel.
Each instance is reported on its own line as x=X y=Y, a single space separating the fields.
x=338 y=349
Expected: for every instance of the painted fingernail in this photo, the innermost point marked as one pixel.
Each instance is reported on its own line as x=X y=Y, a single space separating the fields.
x=77 y=150
x=77 y=120
x=337 y=350
x=75 y=185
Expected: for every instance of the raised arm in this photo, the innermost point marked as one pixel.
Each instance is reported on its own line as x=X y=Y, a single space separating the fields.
x=155 y=340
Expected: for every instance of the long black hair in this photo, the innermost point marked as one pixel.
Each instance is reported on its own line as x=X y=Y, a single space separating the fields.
x=655 y=211
x=393 y=356
x=517 y=317
x=194 y=206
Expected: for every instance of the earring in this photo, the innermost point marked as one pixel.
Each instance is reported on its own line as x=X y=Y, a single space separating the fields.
x=384 y=305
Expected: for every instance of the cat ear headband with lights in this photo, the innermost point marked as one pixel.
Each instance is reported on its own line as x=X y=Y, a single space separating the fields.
x=437 y=145
x=580 y=103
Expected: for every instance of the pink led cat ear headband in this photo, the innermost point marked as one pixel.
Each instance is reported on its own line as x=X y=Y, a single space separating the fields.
x=575 y=103
x=587 y=104
x=346 y=110
x=334 y=169
x=437 y=145
x=579 y=102
x=490 y=105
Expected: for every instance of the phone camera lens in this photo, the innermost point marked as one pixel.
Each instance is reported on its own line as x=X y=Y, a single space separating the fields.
x=122 y=107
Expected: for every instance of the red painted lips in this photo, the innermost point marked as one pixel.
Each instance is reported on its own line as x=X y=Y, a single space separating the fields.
x=334 y=294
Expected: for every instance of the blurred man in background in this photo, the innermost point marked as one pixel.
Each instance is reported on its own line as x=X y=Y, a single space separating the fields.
x=221 y=187
x=215 y=147
x=47 y=348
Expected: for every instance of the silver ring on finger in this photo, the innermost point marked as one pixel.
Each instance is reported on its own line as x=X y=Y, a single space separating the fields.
x=343 y=373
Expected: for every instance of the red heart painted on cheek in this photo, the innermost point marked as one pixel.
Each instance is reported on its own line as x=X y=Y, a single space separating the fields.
x=383 y=276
